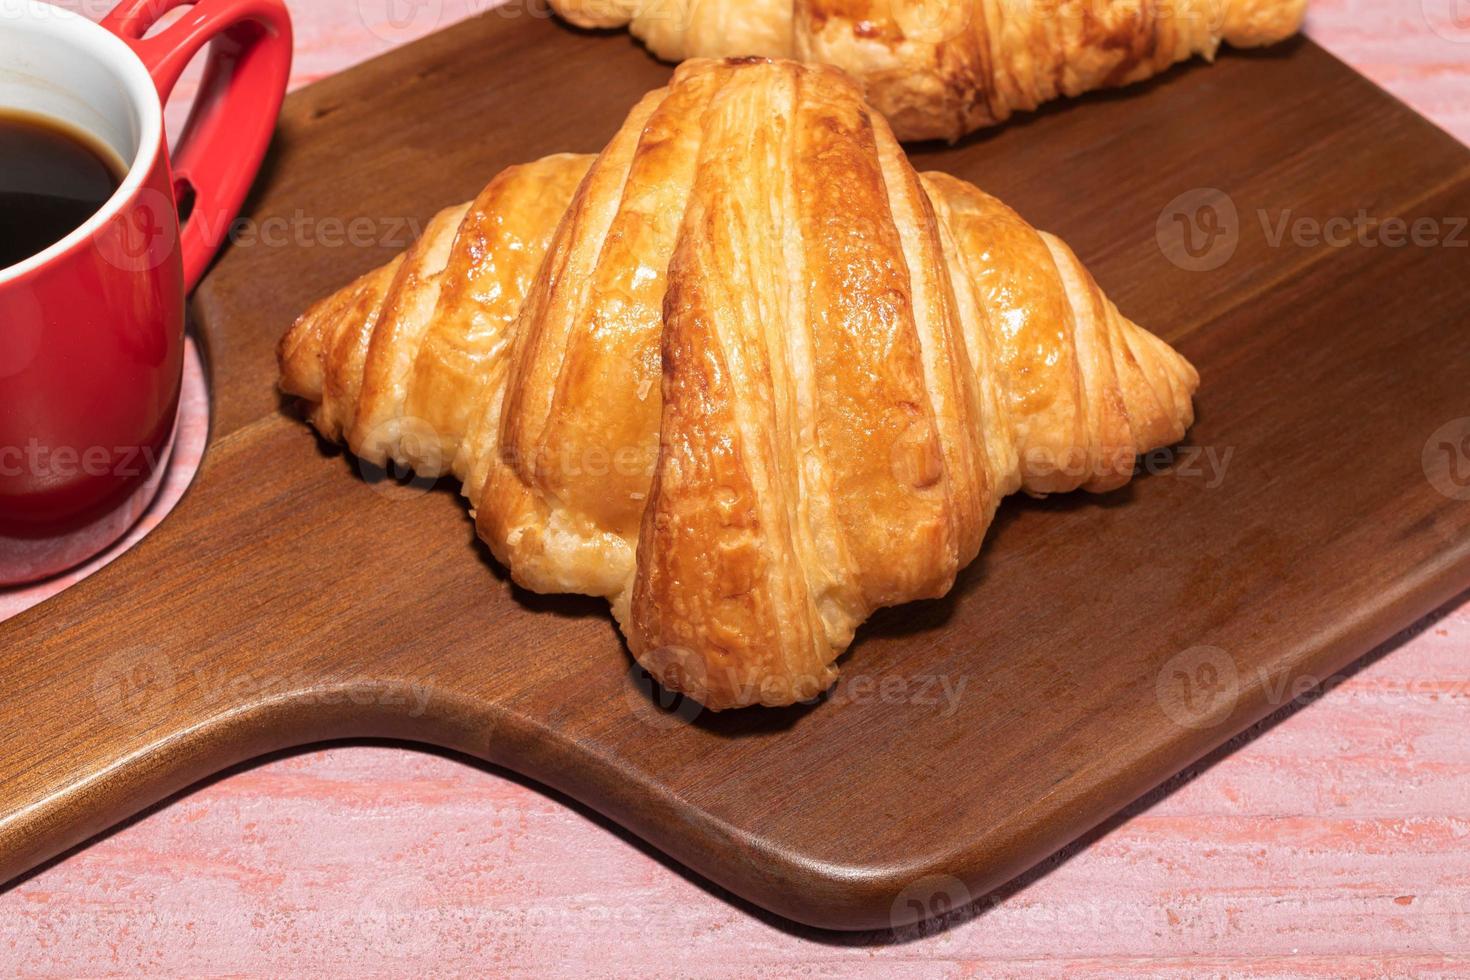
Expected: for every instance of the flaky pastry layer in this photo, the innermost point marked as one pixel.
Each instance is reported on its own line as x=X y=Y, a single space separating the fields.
x=745 y=373
x=939 y=69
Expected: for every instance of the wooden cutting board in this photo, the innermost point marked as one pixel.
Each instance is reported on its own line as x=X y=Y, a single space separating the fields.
x=1098 y=645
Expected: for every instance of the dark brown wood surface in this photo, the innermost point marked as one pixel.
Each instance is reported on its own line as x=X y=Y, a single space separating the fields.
x=1098 y=645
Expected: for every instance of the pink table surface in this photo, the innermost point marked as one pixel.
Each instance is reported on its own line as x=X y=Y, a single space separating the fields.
x=1327 y=842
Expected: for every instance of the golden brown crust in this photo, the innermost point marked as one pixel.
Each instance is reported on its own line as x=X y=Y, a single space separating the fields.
x=943 y=68
x=1070 y=365
x=494 y=260
x=764 y=379
x=678 y=29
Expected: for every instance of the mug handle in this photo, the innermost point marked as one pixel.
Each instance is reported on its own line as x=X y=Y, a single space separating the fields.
x=235 y=113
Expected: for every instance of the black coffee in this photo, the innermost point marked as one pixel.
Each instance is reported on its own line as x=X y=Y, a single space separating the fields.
x=52 y=179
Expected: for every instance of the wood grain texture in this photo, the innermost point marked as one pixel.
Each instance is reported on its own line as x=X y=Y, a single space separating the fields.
x=1331 y=845
x=1090 y=257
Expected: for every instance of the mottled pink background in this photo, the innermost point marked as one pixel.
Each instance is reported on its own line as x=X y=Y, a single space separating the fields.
x=1330 y=842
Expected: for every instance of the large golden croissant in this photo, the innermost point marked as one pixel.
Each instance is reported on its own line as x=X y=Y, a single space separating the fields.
x=745 y=373
x=941 y=68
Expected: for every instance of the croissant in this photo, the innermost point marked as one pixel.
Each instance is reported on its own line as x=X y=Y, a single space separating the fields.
x=939 y=69
x=745 y=374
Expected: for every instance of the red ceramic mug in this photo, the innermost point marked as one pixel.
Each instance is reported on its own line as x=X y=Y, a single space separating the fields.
x=92 y=328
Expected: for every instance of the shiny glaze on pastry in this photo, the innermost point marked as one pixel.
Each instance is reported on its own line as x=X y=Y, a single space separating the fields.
x=746 y=374
x=941 y=68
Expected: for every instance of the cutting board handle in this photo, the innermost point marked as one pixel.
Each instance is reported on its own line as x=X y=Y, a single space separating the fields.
x=156 y=672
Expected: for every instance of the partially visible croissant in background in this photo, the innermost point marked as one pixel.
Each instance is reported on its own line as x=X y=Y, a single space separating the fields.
x=939 y=69
x=745 y=373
